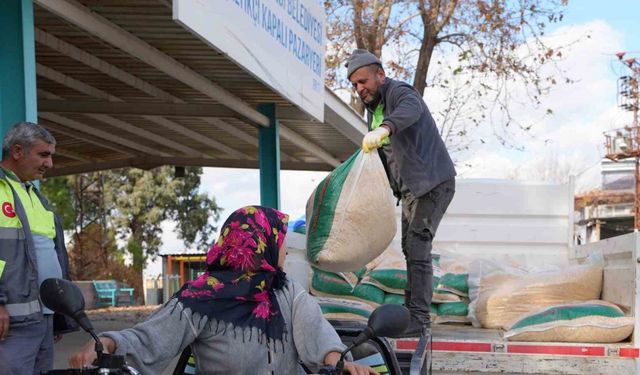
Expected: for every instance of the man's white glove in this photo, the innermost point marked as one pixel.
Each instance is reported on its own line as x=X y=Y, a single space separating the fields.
x=373 y=139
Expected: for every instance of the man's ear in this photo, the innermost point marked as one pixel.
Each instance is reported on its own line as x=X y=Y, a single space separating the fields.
x=17 y=152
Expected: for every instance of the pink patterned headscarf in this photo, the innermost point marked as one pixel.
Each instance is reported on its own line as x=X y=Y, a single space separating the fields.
x=242 y=274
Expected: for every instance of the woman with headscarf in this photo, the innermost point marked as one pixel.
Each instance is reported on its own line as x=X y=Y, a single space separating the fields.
x=241 y=316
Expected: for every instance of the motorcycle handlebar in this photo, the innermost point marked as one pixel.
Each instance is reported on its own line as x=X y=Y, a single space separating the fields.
x=108 y=364
x=126 y=370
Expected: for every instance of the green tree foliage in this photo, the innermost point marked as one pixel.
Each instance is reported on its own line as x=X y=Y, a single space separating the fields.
x=58 y=191
x=130 y=205
x=142 y=200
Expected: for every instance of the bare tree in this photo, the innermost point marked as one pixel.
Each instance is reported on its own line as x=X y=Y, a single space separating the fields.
x=548 y=168
x=489 y=53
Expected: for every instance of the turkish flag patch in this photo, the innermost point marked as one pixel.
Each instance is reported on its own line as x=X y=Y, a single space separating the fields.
x=7 y=210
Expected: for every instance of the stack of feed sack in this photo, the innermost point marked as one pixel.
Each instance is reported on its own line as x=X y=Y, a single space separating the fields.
x=452 y=294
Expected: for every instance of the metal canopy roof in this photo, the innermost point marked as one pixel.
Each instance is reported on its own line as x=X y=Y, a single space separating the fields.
x=121 y=84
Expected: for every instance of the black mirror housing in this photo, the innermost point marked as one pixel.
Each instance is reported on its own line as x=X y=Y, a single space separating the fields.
x=389 y=320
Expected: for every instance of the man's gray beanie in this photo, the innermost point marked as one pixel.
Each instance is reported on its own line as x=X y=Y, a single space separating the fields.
x=358 y=59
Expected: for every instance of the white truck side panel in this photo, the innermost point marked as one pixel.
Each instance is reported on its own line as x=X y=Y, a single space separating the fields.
x=457 y=363
x=496 y=218
x=526 y=221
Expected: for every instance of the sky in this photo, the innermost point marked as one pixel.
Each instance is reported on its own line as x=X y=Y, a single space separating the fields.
x=571 y=137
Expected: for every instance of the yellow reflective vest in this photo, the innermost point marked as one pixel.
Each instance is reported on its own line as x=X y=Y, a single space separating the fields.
x=19 y=221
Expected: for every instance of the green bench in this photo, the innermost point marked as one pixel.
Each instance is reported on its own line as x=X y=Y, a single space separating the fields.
x=108 y=293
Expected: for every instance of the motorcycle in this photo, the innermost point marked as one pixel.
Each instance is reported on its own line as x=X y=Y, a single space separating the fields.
x=64 y=297
x=366 y=344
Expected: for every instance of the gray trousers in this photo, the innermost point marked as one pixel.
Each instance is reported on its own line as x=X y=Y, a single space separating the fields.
x=28 y=349
x=420 y=219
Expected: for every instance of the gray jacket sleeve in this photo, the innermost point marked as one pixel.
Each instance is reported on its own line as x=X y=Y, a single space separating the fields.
x=407 y=108
x=313 y=336
x=151 y=345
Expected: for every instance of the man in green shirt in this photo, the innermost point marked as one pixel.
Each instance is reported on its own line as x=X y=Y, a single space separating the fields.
x=420 y=170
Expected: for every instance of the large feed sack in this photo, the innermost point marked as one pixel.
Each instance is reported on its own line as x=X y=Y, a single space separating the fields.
x=441 y=296
x=350 y=215
x=393 y=299
x=369 y=294
x=456 y=283
x=334 y=285
x=451 y=272
x=330 y=284
x=390 y=274
x=398 y=299
x=336 y=308
x=584 y=322
x=499 y=296
x=453 y=312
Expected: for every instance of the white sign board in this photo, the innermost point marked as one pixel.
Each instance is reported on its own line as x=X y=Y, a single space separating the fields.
x=281 y=42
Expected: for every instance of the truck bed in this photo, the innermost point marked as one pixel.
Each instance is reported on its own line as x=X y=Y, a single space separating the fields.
x=533 y=224
x=464 y=349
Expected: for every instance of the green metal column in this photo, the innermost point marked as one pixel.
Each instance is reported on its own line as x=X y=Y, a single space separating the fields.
x=269 y=158
x=18 y=99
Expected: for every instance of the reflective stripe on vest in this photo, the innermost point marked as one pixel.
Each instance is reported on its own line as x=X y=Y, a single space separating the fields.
x=11 y=234
x=23 y=309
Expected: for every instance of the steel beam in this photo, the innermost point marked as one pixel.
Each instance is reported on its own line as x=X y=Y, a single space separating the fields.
x=106 y=30
x=105 y=67
x=76 y=125
x=113 y=100
x=144 y=162
x=135 y=108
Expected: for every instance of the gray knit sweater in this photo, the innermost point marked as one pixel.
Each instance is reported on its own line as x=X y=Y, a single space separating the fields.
x=150 y=346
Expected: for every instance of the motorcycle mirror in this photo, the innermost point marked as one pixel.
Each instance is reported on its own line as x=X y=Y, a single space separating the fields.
x=64 y=297
x=384 y=321
x=389 y=320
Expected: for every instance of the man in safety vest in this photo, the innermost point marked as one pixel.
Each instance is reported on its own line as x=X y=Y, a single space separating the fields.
x=32 y=249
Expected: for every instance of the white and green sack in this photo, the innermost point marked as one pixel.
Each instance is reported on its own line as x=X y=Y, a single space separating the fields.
x=456 y=283
x=440 y=296
x=585 y=322
x=393 y=299
x=369 y=294
x=330 y=284
x=334 y=285
x=350 y=215
x=390 y=274
x=453 y=312
x=338 y=308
